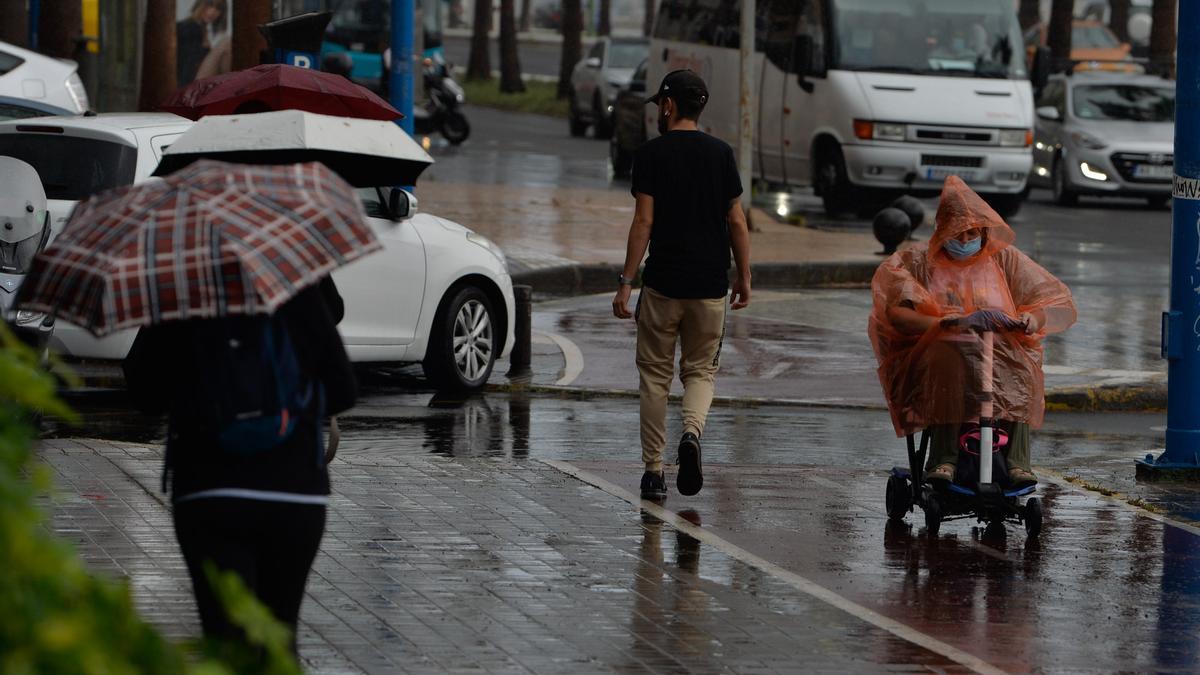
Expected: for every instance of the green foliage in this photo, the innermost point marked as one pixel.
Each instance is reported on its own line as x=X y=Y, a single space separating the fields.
x=539 y=97
x=56 y=617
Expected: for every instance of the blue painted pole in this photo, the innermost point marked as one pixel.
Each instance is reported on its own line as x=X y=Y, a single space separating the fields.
x=35 y=9
x=1181 y=325
x=401 y=84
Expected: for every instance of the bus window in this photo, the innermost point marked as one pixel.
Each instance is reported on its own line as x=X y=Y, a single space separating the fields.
x=782 y=17
x=703 y=22
x=812 y=25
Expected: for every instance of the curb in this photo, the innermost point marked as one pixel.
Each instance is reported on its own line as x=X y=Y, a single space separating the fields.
x=1108 y=398
x=585 y=279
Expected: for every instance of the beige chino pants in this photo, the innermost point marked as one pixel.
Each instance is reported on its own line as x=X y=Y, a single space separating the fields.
x=699 y=327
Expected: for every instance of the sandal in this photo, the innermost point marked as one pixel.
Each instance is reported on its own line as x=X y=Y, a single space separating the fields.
x=942 y=472
x=1021 y=478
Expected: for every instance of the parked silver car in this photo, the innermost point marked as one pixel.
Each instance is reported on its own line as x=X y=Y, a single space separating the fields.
x=1105 y=134
x=608 y=67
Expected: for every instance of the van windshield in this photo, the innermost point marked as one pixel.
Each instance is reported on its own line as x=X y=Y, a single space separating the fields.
x=72 y=168
x=972 y=38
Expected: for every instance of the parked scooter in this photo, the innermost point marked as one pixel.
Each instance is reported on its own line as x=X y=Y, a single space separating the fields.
x=442 y=112
x=24 y=231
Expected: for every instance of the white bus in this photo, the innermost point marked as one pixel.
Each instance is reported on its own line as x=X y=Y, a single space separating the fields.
x=865 y=99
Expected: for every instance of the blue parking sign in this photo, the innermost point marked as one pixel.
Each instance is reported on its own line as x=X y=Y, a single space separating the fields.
x=298 y=59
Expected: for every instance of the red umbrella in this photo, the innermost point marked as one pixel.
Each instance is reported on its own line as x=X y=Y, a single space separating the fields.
x=279 y=87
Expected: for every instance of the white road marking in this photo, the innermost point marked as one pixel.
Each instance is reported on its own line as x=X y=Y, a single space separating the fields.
x=572 y=356
x=1056 y=478
x=794 y=580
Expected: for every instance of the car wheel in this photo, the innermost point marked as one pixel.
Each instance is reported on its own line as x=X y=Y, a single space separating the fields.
x=622 y=159
x=832 y=181
x=1158 y=201
x=462 y=347
x=602 y=126
x=1063 y=195
x=576 y=124
x=455 y=127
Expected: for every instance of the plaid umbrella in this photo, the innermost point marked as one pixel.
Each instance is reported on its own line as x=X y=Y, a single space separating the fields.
x=212 y=240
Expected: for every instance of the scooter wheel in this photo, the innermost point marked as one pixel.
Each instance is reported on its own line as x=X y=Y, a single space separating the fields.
x=456 y=128
x=898 y=498
x=1033 y=516
x=933 y=516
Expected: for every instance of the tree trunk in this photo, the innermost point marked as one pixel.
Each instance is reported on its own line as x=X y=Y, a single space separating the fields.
x=479 y=63
x=158 y=55
x=1029 y=14
x=648 y=19
x=248 y=42
x=60 y=26
x=1058 y=36
x=605 y=27
x=14 y=23
x=572 y=44
x=526 y=15
x=510 y=63
x=1118 y=20
x=1162 y=36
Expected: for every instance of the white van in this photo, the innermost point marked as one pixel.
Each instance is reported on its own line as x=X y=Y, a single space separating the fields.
x=26 y=74
x=863 y=99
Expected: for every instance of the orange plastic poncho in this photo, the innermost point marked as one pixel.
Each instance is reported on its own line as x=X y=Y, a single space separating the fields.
x=934 y=378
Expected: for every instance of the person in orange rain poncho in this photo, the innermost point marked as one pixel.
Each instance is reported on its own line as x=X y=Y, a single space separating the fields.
x=930 y=307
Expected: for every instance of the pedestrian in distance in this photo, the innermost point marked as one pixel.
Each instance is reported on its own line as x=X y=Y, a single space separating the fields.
x=254 y=508
x=687 y=211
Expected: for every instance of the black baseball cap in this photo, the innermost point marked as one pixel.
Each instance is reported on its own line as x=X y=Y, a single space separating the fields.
x=681 y=85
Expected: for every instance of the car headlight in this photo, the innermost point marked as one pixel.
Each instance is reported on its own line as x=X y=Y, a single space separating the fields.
x=1087 y=141
x=77 y=92
x=1017 y=138
x=26 y=317
x=490 y=245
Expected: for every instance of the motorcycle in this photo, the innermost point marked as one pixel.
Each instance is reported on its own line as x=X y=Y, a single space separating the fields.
x=442 y=112
x=24 y=231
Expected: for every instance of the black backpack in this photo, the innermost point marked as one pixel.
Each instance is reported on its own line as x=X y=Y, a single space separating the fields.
x=250 y=391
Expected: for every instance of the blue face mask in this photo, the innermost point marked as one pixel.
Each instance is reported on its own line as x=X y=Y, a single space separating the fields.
x=961 y=251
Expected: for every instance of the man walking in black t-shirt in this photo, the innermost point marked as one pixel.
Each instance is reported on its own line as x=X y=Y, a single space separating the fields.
x=687 y=211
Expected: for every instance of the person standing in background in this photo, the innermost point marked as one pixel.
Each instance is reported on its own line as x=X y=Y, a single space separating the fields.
x=192 y=42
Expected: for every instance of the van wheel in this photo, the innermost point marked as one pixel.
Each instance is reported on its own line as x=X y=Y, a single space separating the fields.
x=622 y=159
x=462 y=347
x=1063 y=195
x=576 y=124
x=601 y=125
x=832 y=182
x=1006 y=205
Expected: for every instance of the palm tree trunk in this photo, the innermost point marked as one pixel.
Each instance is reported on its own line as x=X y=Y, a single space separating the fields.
x=248 y=43
x=1162 y=36
x=1058 y=36
x=526 y=16
x=60 y=26
x=1028 y=14
x=572 y=45
x=14 y=22
x=648 y=19
x=479 y=63
x=158 y=54
x=605 y=27
x=1118 y=20
x=510 y=63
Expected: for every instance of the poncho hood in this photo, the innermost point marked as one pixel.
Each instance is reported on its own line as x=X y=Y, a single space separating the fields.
x=959 y=210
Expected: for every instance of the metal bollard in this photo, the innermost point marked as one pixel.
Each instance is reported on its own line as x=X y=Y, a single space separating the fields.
x=519 y=358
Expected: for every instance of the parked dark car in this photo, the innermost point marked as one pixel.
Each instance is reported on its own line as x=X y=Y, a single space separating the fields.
x=629 y=123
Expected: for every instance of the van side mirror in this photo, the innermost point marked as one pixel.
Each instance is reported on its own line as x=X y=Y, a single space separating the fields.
x=592 y=62
x=1048 y=112
x=803 y=60
x=402 y=204
x=1039 y=72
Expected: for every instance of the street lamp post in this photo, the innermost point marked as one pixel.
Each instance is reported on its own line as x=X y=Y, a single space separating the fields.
x=401 y=84
x=746 y=104
x=1181 y=325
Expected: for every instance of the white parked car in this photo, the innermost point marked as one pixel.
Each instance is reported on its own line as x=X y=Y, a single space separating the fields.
x=438 y=293
x=608 y=67
x=26 y=74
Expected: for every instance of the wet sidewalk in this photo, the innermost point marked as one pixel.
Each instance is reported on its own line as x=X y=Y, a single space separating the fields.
x=436 y=563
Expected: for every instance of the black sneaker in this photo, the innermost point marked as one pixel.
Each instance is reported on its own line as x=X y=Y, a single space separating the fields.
x=691 y=477
x=654 y=485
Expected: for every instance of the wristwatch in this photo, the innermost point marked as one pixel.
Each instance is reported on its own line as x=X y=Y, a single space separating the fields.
x=624 y=280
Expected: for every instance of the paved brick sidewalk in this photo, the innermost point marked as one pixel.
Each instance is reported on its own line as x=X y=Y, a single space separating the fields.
x=434 y=564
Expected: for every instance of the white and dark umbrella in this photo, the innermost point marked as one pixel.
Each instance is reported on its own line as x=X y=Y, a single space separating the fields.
x=365 y=153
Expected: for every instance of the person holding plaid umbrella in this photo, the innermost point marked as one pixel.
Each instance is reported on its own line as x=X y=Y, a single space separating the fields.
x=225 y=267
